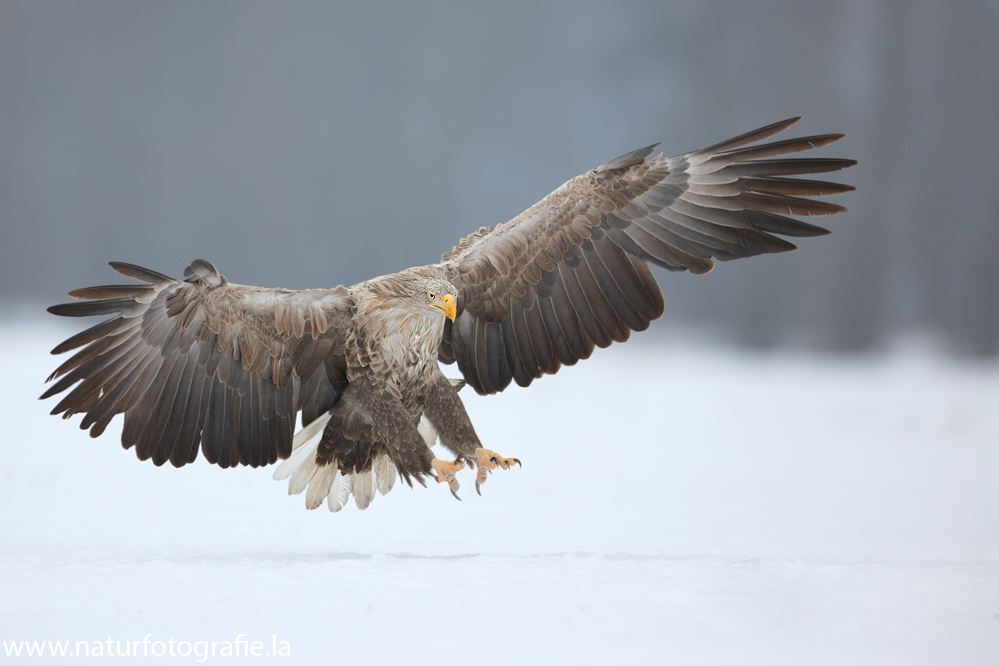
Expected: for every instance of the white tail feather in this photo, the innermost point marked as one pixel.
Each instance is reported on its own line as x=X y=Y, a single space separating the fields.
x=363 y=489
x=333 y=499
x=300 y=457
x=320 y=486
x=311 y=430
x=326 y=481
x=300 y=452
x=384 y=473
x=302 y=476
x=339 y=500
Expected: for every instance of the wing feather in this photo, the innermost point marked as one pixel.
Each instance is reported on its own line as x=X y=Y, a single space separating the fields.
x=202 y=363
x=540 y=342
x=187 y=419
x=554 y=331
x=512 y=350
x=530 y=366
x=569 y=274
x=605 y=265
x=157 y=406
x=585 y=314
x=580 y=312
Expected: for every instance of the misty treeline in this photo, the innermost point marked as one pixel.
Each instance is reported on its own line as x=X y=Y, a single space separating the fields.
x=311 y=146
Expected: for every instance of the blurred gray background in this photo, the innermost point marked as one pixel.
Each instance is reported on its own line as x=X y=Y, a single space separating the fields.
x=314 y=144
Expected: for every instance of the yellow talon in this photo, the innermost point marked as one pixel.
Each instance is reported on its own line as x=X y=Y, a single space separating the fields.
x=488 y=461
x=446 y=471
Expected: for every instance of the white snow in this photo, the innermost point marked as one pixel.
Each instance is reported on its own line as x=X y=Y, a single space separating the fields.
x=679 y=503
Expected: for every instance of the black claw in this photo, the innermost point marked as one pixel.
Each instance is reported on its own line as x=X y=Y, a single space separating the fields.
x=516 y=460
x=477 y=489
x=455 y=495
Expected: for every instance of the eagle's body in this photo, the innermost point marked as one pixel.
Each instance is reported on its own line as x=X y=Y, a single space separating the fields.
x=207 y=365
x=402 y=350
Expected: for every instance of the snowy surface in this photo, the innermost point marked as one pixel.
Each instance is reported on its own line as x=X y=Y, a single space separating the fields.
x=679 y=503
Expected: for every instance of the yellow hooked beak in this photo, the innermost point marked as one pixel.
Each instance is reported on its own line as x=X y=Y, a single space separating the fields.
x=448 y=306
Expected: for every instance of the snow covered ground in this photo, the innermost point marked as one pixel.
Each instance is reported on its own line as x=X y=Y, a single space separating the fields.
x=679 y=503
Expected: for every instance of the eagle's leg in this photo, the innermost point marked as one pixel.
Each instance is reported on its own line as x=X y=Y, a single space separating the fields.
x=446 y=471
x=488 y=461
x=444 y=410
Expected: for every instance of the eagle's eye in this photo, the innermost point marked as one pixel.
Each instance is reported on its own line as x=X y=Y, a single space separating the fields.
x=431 y=295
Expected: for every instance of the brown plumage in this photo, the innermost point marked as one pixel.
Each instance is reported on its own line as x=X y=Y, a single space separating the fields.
x=224 y=368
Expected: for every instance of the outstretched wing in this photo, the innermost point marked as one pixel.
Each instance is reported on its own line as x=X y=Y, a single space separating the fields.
x=570 y=273
x=203 y=362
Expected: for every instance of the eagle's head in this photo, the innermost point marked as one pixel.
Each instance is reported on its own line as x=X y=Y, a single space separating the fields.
x=436 y=295
x=416 y=292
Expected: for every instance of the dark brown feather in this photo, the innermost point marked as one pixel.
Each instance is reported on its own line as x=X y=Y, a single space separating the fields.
x=201 y=362
x=579 y=249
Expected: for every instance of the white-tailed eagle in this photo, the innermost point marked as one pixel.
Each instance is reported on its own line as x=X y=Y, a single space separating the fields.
x=204 y=364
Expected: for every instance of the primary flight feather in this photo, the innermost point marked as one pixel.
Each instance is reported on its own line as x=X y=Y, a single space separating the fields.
x=204 y=364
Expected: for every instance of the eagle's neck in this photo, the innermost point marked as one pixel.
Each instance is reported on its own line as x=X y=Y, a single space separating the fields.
x=399 y=343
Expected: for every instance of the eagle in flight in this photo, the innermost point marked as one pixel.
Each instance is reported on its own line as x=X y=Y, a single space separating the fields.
x=207 y=364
